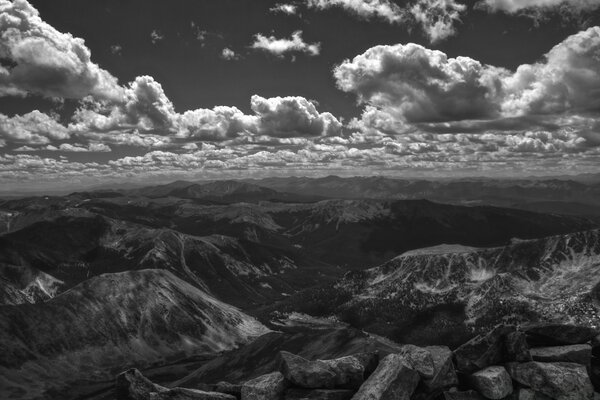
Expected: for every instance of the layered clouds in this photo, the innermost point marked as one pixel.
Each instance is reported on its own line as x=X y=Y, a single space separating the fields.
x=419 y=111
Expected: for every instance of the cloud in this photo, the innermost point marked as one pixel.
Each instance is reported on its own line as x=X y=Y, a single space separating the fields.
x=228 y=54
x=292 y=116
x=415 y=84
x=32 y=128
x=279 y=47
x=40 y=60
x=284 y=8
x=411 y=84
x=116 y=49
x=383 y=9
x=437 y=17
x=156 y=36
x=514 y=6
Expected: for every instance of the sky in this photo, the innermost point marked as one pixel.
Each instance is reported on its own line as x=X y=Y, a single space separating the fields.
x=95 y=92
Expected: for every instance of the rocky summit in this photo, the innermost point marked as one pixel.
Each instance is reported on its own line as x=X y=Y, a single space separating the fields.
x=485 y=367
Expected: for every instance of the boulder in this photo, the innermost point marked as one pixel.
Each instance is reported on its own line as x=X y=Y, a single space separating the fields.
x=575 y=353
x=558 y=334
x=132 y=385
x=529 y=394
x=444 y=374
x=266 y=387
x=594 y=372
x=492 y=382
x=192 y=394
x=393 y=379
x=482 y=351
x=596 y=346
x=349 y=372
x=369 y=361
x=462 y=395
x=516 y=347
x=304 y=373
x=228 y=388
x=318 y=394
x=560 y=381
x=419 y=359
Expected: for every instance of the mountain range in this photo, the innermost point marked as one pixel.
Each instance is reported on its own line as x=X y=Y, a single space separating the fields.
x=166 y=278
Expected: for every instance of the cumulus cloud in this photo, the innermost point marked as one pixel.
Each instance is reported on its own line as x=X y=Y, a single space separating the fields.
x=38 y=59
x=292 y=116
x=437 y=17
x=412 y=84
x=415 y=84
x=284 y=8
x=32 y=128
x=279 y=47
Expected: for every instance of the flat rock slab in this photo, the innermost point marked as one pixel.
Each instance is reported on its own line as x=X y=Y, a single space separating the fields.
x=492 y=382
x=318 y=394
x=576 y=353
x=307 y=374
x=393 y=379
x=266 y=387
x=560 y=381
x=558 y=334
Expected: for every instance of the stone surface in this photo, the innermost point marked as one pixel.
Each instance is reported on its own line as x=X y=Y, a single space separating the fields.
x=463 y=395
x=560 y=381
x=516 y=347
x=229 y=388
x=492 y=382
x=419 y=359
x=349 y=372
x=596 y=346
x=482 y=351
x=318 y=394
x=558 y=334
x=304 y=373
x=444 y=374
x=132 y=385
x=369 y=361
x=576 y=353
x=530 y=394
x=594 y=372
x=266 y=387
x=393 y=379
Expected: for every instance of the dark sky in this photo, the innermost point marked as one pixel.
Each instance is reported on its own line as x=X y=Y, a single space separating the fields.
x=187 y=60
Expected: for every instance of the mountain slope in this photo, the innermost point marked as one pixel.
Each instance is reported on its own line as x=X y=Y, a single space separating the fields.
x=447 y=293
x=110 y=322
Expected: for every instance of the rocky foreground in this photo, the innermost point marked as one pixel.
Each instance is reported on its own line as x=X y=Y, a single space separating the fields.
x=534 y=362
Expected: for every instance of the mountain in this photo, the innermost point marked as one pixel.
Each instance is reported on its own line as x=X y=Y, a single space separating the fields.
x=219 y=192
x=110 y=322
x=497 y=192
x=445 y=294
x=71 y=249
